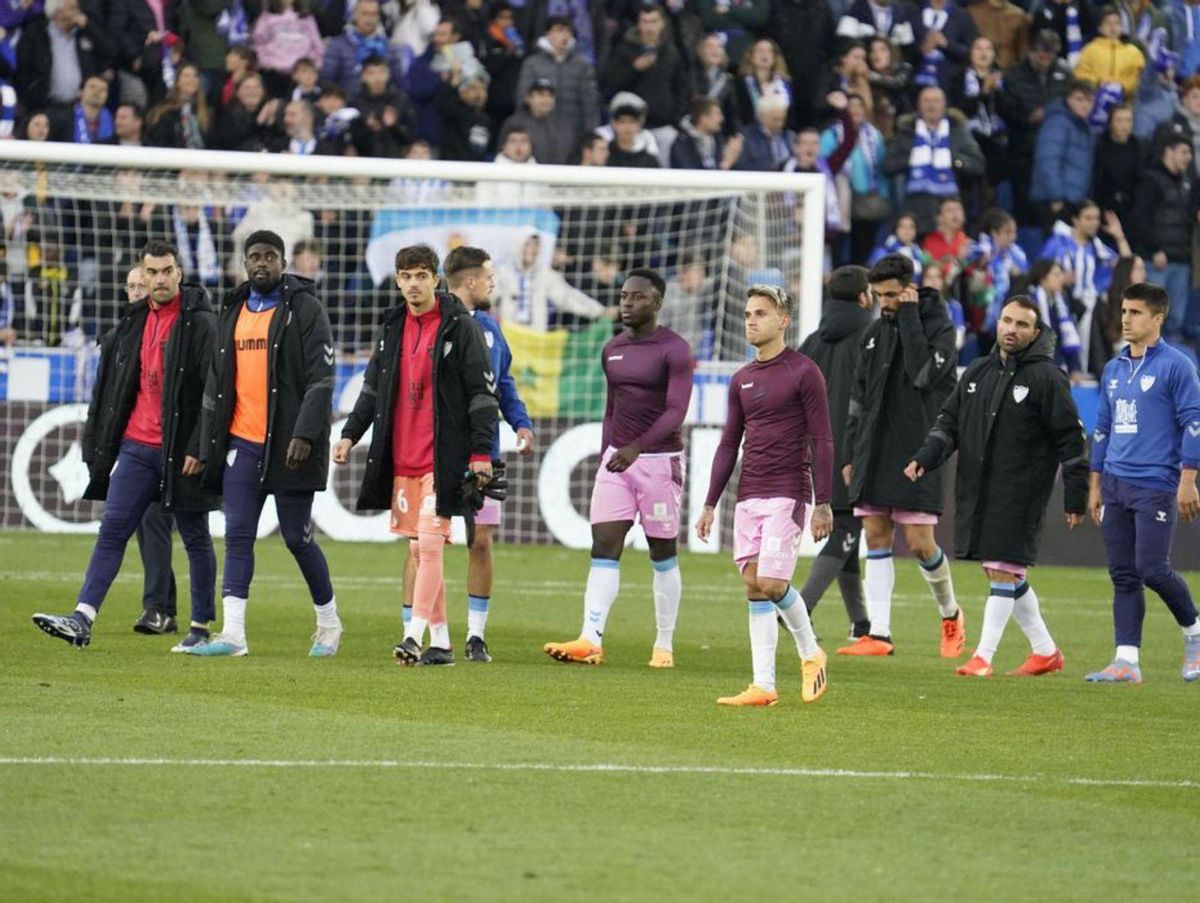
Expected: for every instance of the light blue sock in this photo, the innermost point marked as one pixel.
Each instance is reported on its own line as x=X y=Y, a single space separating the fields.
x=477 y=615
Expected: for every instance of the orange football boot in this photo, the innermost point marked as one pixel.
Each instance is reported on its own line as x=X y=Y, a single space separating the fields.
x=580 y=650
x=868 y=645
x=1039 y=664
x=752 y=695
x=976 y=667
x=954 y=635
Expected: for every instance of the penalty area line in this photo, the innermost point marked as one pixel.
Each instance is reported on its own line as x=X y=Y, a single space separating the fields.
x=599 y=768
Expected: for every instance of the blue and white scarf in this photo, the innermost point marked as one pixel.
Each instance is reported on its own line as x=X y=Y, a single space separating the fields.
x=1190 y=41
x=8 y=109
x=929 y=75
x=104 y=126
x=1074 y=35
x=778 y=86
x=985 y=121
x=233 y=25
x=375 y=44
x=1054 y=310
x=198 y=259
x=1108 y=95
x=1000 y=267
x=893 y=245
x=1091 y=263
x=930 y=163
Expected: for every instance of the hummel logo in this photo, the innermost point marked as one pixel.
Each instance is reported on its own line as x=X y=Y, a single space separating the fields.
x=939 y=359
x=747 y=385
x=446 y=349
x=848 y=543
x=1160 y=517
x=1112 y=383
x=871 y=343
x=1194 y=430
x=616 y=357
x=971 y=388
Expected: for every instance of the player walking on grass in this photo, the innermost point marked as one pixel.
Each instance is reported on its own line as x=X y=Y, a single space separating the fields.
x=142 y=440
x=1013 y=422
x=906 y=371
x=649 y=373
x=834 y=347
x=429 y=398
x=470 y=276
x=266 y=431
x=778 y=402
x=1145 y=453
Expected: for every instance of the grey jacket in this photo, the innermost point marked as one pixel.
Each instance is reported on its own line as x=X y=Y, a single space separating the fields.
x=576 y=95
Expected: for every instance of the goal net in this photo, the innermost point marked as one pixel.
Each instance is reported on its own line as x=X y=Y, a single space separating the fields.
x=75 y=218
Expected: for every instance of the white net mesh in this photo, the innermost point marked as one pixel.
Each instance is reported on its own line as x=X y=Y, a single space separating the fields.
x=73 y=229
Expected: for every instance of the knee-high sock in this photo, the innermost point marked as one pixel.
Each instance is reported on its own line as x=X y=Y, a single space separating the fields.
x=603 y=584
x=477 y=615
x=233 y=617
x=668 y=587
x=429 y=603
x=764 y=637
x=879 y=583
x=995 y=616
x=936 y=572
x=1029 y=618
x=795 y=615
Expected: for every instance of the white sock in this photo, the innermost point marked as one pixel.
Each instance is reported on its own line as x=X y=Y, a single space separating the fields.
x=995 y=617
x=1194 y=630
x=797 y=620
x=477 y=615
x=415 y=629
x=1128 y=653
x=1029 y=617
x=668 y=587
x=88 y=611
x=439 y=635
x=764 y=637
x=603 y=584
x=233 y=614
x=878 y=583
x=327 y=615
x=936 y=572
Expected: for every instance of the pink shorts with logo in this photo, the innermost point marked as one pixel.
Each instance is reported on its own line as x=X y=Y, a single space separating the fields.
x=769 y=530
x=489 y=514
x=897 y=515
x=651 y=490
x=1017 y=570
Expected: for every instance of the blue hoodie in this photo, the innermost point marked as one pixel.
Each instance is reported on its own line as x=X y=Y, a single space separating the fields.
x=511 y=406
x=1149 y=421
x=1062 y=157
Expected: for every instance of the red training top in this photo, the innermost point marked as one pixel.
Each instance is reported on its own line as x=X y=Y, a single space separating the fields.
x=412 y=421
x=145 y=422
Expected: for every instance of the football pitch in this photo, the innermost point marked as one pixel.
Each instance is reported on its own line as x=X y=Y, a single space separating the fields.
x=129 y=773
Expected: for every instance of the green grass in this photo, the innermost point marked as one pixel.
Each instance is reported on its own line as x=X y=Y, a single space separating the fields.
x=205 y=831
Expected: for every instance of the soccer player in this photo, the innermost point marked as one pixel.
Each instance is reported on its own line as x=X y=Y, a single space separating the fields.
x=1013 y=422
x=649 y=372
x=778 y=402
x=429 y=398
x=267 y=405
x=834 y=348
x=905 y=372
x=142 y=440
x=1145 y=453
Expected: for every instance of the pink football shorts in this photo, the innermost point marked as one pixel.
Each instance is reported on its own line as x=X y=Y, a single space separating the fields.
x=1017 y=570
x=651 y=490
x=897 y=515
x=769 y=530
x=489 y=514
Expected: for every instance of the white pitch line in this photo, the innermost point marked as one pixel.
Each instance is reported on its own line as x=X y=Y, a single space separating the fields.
x=599 y=768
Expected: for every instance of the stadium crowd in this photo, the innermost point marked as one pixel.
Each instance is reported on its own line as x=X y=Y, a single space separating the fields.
x=999 y=147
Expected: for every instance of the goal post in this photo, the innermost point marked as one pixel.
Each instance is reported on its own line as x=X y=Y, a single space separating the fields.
x=76 y=216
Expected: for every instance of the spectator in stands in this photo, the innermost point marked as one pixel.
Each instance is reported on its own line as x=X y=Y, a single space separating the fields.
x=37 y=128
x=445 y=61
x=1110 y=64
x=467 y=130
x=591 y=150
x=304 y=84
x=806 y=157
x=591 y=22
x=516 y=149
x=1118 y=165
x=285 y=32
x=182 y=119
x=1046 y=281
x=870 y=193
x=947 y=245
x=602 y=281
x=891 y=80
x=766 y=143
x=762 y=71
x=689 y=305
x=625 y=150
x=338 y=123
x=503 y=53
x=195 y=234
x=196 y=24
x=647 y=62
x=998 y=257
x=88 y=121
x=735 y=22
x=1088 y=264
x=1006 y=24
x=298 y=126
x=701 y=143
x=949 y=32
x=306 y=261
x=1185 y=27
x=249 y=122
x=1127 y=271
x=239 y=62
x=1074 y=21
x=56 y=52
x=710 y=77
x=1144 y=22
x=847 y=74
x=1161 y=228
x=360 y=40
x=141 y=31
x=1186 y=120
x=1063 y=155
x=551 y=144
x=1156 y=99
x=388 y=121
x=527 y=289
x=896 y=20
x=1029 y=88
x=934 y=154
x=558 y=62
x=973 y=89
x=127 y=125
